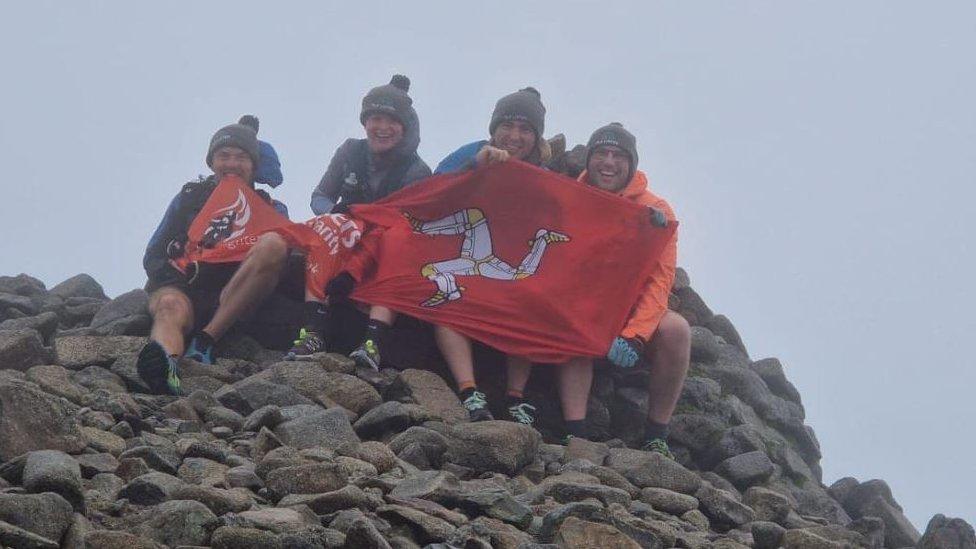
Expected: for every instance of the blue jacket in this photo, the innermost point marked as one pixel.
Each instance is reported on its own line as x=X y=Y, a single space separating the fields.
x=269 y=167
x=461 y=159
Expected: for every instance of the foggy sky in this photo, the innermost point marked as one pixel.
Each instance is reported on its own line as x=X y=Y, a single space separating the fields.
x=820 y=156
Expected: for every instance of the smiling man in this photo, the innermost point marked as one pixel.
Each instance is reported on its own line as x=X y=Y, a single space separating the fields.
x=363 y=171
x=208 y=298
x=652 y=334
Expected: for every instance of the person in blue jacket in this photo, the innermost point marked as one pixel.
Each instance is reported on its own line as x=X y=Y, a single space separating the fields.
x=515 y=132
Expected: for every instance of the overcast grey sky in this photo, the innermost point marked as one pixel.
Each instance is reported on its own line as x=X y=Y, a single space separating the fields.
x=820 y=155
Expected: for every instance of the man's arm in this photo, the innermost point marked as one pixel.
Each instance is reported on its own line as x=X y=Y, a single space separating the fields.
x=653 y=300
x=326 y=193
x=461 y=159
x=156 y=259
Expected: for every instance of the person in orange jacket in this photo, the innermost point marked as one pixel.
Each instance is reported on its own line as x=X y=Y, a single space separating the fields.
x=652 y=333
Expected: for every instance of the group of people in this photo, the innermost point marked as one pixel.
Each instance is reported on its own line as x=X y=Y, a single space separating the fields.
x=203 y=301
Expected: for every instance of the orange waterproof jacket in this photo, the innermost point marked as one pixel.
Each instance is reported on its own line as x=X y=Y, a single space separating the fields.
x=653 y=301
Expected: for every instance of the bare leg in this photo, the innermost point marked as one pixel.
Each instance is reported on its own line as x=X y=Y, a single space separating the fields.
x=575 y=379
x=254 y=280
x=519 y=370
x=456 y=349
x=172 y=315
x=383 y=314
x=669 y=354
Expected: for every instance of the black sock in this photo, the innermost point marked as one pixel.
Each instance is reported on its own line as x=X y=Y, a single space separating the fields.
x=315 y=317
x=576 y=427
x=376 y=330
x=467 y=393
x=655 y=430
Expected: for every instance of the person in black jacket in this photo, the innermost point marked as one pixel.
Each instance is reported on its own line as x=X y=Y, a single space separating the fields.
x=366 y=170
x=207 y=298
x=363 y=171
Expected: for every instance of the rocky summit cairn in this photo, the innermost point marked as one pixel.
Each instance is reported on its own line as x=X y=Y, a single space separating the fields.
x=263 y=453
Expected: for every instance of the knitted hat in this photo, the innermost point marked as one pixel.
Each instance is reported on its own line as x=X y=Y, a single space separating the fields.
x=235 y=135
x=391 y=99
x=525 y=105
x=614 y=134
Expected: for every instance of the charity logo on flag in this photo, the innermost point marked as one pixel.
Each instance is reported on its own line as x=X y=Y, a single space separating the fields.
x=227 y=222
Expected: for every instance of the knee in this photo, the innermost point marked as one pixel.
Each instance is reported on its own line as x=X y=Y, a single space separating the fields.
x=270 y=250
x=169 y=302
x=673 y=332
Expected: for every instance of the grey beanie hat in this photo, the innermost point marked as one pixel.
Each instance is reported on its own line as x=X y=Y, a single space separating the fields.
x=525 y=105
x=614 y=134
x=235 y=135
x=391 y=99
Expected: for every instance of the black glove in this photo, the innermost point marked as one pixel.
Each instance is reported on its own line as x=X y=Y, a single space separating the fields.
x=341 y=208
x=340 y=286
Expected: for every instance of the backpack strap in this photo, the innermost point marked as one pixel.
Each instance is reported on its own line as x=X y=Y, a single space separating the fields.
x=355 y=178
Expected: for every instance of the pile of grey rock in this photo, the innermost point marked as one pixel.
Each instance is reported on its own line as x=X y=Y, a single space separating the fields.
x=263 y=453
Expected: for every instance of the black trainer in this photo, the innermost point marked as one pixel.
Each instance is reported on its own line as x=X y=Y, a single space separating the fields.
x=158 y=370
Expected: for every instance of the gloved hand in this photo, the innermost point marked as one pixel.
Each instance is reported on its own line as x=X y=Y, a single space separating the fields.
x=624 y=352
x=340 y=286
x=340 y=208
x=658 y=219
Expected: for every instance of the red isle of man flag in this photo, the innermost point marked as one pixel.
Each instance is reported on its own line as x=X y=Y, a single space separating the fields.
x=527 y=261
x=530 y=262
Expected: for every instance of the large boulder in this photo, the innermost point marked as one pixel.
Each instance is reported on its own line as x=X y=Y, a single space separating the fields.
x=178 y=522
x=314 y=478
x=255 y=392
x=747 y=469
x=22 y=284
x=81 y=285
x=431 y=392
x=54 y=471
x=21 y=349
x=499 y=446
x=650 y=469
x=31 y=419
x=127 y=314
x=77 y=352
x=47 y=515
x=580 y=533
x=45 y=324
x=58 y=381
x=325 y=428
x=327 y=388
x=947 y=533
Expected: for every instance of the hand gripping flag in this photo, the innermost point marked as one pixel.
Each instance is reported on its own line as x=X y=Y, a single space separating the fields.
x=527 y=261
